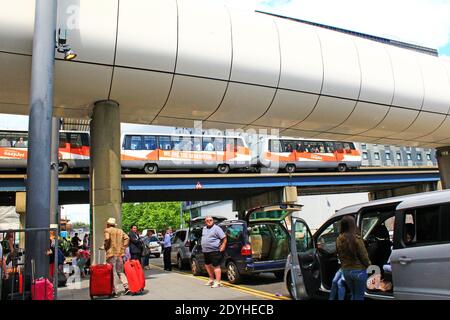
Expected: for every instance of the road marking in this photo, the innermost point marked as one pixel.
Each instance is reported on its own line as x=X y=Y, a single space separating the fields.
x=258 y=293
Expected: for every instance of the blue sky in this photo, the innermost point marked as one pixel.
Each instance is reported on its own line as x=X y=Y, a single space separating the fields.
x=422 y=22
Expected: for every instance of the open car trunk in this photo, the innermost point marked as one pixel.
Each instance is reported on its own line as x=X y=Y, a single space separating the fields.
x=269 y=241
x=268 y=237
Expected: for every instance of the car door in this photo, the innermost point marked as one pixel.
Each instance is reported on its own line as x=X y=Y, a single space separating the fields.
x=175 y=247
x=420 y=260
x=305 y=273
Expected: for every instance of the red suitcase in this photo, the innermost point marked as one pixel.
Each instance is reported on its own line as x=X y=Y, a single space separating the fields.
x=42 y=289
x=101 y=282
x=135 y=276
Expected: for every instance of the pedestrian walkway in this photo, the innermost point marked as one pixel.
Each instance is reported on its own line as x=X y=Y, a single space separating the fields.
x=163 y=285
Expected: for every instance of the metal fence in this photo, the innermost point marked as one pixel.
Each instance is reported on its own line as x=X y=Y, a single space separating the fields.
x=16 y=272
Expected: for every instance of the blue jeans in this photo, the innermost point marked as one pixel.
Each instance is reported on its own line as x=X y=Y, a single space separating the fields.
x=356 y=281
x=145 y=260
x=338 y=286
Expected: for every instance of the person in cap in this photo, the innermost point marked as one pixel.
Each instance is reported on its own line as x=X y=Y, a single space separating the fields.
x=115 y=243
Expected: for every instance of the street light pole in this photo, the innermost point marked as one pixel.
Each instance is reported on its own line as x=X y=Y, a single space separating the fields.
x=39 y=136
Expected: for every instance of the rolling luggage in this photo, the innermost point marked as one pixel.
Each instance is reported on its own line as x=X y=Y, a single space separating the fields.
x=101 y=281
x=135 y=276
x=42 y=289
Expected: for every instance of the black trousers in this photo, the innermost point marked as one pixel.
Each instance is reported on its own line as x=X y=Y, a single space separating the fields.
x=167 y=262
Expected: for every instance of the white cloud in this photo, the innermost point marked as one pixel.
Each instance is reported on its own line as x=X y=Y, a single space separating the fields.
x=422 y=22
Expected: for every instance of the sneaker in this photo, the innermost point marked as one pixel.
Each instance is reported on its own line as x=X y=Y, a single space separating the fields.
x=216 y=285
x=209 y=283
x=127 y=292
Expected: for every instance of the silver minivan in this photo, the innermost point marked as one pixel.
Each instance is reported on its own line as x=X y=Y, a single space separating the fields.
x=409 y=234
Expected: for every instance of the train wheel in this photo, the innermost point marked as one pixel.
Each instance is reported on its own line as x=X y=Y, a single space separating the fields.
x=223 y=168
x=342 y=167
x=151 y=168
x=63 y=168
x=290 y=168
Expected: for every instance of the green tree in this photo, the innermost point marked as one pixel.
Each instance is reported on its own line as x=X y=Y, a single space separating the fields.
x=153 y=215
x=80 y=225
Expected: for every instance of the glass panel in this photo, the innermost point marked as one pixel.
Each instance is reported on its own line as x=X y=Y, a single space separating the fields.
x=75 y=140
x=149 y=142
x=62 y=140
x=303 y=238
x=208 y=144
x=367 y=224
x=197 y=143
x=176 y=143
x=388 y=156
x=165 y=143
x=275 y=145
x=135 y=143
x=287 y=145
x=240 y=142
x=231 y=144
x=276 y=215
x=18 y=139
x=329 y=146
x=327 y=239
x=186 y=144
x=235 y=233
x=219 y=144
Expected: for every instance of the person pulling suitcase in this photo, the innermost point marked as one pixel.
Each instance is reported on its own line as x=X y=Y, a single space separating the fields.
x=115 y=243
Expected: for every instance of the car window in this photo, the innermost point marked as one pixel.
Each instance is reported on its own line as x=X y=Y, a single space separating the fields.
x=234 y=233
x=182 y=235
x=302 y=237
x=327 y=238
x=422 y=226
x=367 y=224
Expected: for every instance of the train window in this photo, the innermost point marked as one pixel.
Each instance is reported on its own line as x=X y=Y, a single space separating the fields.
x=240 y=142
x=231 y=144
x=5 y=140
x=186 y=144
x=75 y=140
x=315 y=146
x=85 y=139
x=339 y=146
x=176 y=143
x=299 y=146
x=208 y=144
x=149 y=142
x=134 y=143
x=62 y=139
x=197 y=144
x=19 y=140
x=288 y=145
x=275 y=145
x=219 y=144
x=165 y=143
x=329 y=147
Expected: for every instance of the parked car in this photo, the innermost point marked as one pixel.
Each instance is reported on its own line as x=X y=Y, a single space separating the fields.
x=259 y=243
x=183 y=241
x=419 y=255
x=154 y=245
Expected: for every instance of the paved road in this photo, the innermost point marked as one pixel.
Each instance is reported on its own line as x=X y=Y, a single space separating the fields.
x=264 y=284
x=175 y=285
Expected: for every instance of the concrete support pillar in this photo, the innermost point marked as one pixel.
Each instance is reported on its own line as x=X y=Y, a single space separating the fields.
x=105 y=171
x=443 y=158
x=54 y=202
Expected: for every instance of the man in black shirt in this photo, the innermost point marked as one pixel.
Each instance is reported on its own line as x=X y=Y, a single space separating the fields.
x=135 y=244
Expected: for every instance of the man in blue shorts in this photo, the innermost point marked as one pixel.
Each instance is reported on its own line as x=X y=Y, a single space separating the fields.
x=214 y=242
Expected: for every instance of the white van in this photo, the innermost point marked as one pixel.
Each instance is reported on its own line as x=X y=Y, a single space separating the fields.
x=411 y=234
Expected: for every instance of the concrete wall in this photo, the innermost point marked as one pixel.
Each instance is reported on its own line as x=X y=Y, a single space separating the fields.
x=317 y=209
x=223 y=208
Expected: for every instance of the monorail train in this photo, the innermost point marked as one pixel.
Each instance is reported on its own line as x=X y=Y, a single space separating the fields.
x=159 y=152
x=291 y=154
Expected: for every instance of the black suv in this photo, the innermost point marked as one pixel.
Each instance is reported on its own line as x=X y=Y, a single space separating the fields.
x=260 y=243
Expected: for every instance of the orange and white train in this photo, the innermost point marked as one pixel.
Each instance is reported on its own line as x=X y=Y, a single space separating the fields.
x=154 y=152
x=73 y=150
x=291 y=154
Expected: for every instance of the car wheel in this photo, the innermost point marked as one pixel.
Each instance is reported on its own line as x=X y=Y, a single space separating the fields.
x=151 y=168
x=279 y=274
x=233 y=273
x=290 y=168
x=223 y=168
x=342 y=167
x=179 y=263
x=63 y=168
x=195 y=268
